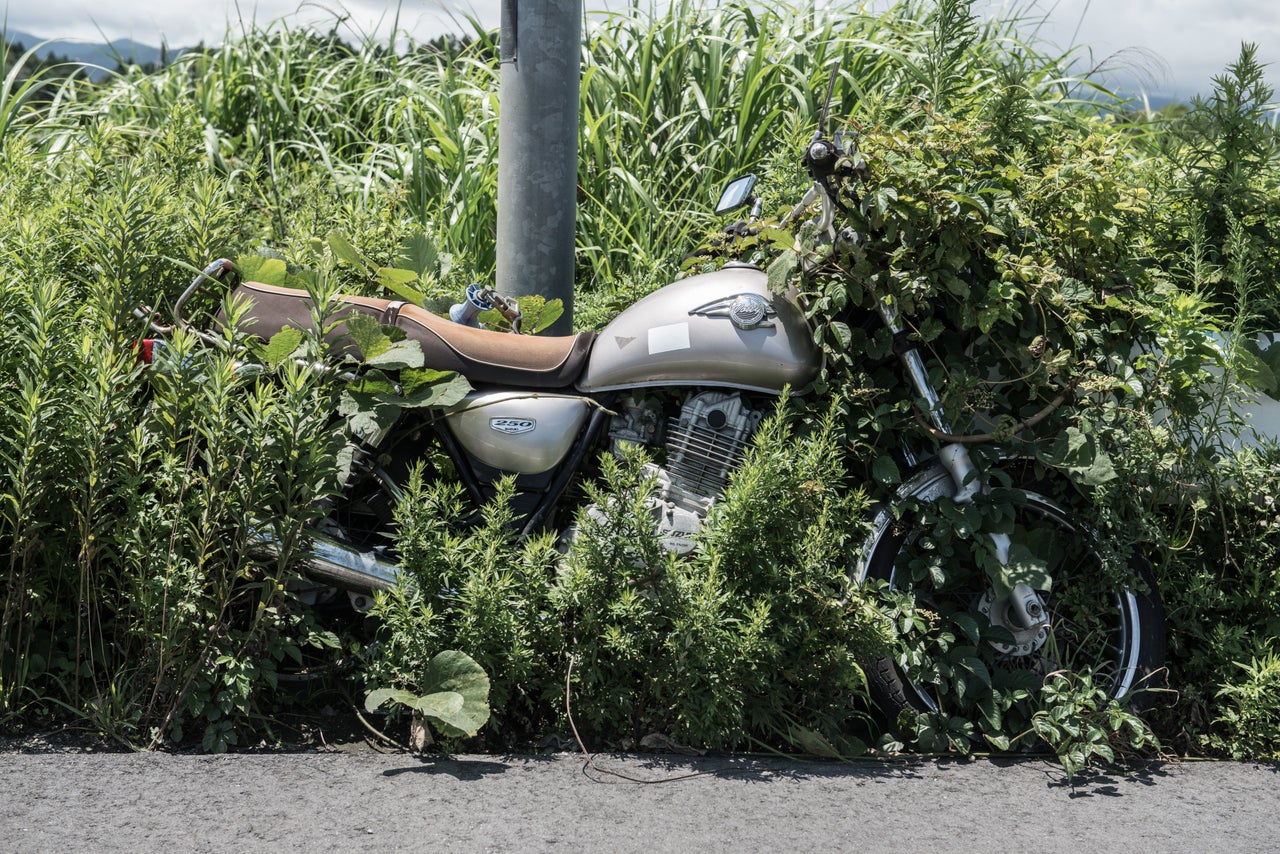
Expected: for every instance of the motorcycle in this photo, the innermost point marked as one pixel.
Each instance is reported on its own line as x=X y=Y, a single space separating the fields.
x=689 y=372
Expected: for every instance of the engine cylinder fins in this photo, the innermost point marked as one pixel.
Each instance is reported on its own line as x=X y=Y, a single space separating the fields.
x=707 y=442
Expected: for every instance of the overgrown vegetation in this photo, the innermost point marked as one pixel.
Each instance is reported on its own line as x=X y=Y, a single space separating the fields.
x=755 y=640
x=1029 y=240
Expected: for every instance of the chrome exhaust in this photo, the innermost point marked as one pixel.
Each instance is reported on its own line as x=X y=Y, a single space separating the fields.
x=341 y=565
x=331 y=561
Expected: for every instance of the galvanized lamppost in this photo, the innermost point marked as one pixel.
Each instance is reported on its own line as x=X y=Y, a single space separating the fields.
x=538 y=150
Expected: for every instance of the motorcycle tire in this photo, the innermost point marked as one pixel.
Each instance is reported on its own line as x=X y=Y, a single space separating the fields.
x=1114 y=630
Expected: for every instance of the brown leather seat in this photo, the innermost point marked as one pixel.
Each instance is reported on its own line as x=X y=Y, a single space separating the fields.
x=481 y=355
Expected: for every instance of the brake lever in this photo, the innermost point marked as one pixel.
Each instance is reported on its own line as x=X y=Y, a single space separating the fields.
x=508 y=308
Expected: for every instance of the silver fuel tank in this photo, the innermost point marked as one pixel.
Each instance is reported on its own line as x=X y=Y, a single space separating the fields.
x=722 y=328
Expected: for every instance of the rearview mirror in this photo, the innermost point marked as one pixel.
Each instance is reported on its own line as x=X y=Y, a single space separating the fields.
x=736 y=194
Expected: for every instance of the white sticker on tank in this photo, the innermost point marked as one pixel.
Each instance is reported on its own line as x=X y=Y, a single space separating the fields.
x=664 y=339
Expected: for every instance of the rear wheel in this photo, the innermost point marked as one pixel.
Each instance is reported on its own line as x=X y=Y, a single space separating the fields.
x=1099 y=620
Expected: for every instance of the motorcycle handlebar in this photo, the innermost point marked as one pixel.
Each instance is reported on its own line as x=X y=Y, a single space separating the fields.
x=216 y=272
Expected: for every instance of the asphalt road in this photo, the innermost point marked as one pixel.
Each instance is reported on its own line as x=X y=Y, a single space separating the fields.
x=373 y=802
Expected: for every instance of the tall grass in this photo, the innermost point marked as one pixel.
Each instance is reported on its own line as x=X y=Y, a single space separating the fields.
x=672 y=104
x=133 y=593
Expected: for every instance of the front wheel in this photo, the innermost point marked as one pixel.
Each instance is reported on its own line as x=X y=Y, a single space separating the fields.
x=964 y=644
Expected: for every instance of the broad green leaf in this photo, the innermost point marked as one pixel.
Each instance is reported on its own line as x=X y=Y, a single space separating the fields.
x=395 y=275
x=999 y=742
x=967 y=624
x=978 y=668
x=844 y=337
x=374 y=382
x=406 y=293
x=1259 y=367
x=991 y=715
x=378 y=697
x=1075 y=291
x=343 y=249
x=414 y=378
x=442 y=705
x=543 y=314
x=367 y=334
x=932 y=562
x=454 y=671
x=419 y=254
x=1080 y=455
x=401 y=354
x=282 y=345
x=776 y=235
x=383 y=346
x=884 y=198
x=885 y=470
x=975 y=203
x=813 y=743
x=400 y=282
x=1103 y=228
x=456 y=698
x=367 y=415
x=781 y=269
x=344 y=463
x=268 y=271
x=962 y=289
x=447 y=390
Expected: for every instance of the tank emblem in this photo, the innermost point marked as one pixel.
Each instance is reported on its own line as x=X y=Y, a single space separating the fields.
x=623 y=340
x=745 y=311
x=512 y=426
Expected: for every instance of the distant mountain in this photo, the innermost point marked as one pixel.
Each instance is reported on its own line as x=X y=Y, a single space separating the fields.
x=1155 y=102
x=106 y=56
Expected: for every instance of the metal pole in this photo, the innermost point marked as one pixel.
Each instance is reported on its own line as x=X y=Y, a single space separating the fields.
x=538 y=150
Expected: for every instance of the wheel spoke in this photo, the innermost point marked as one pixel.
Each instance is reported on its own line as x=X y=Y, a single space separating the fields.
x=1092 y=629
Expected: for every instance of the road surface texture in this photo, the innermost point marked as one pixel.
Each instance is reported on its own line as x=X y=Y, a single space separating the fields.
x=399 y=802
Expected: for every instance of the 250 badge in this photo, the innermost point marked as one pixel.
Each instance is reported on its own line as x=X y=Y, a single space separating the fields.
x=512 y=426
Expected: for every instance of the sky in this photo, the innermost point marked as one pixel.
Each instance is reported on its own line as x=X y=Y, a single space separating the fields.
x=1175 y=46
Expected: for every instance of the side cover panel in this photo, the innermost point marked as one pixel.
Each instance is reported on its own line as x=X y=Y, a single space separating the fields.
x=518 y=431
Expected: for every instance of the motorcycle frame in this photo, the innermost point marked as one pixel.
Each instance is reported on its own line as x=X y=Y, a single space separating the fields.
x=953 y=457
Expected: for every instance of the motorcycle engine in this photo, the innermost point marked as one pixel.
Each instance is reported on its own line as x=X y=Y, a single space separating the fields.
x=704 y=444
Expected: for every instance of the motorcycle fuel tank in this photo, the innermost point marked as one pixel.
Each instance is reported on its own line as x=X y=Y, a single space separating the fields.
x=723 y=328
x=525 y=432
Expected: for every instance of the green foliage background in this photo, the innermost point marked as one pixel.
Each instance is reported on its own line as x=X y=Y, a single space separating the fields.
x=1029 y=225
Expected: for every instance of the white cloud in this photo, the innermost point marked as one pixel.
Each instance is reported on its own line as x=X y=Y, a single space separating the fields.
x=1174 y=47
x=183 y=22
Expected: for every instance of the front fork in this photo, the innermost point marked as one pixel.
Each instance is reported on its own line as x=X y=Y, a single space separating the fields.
x=1024 y=611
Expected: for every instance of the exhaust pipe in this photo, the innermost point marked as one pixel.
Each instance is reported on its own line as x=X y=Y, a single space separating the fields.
x=351 y=569
x=333 y=562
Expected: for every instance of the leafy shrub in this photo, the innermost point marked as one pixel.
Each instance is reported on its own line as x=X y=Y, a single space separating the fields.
x=757 y=638
x=754 y=639
x=473 y=587
x=136 y=593
x=1250 y=711
x=1080 y=724
x=1217 y=175
x=1002 y=238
